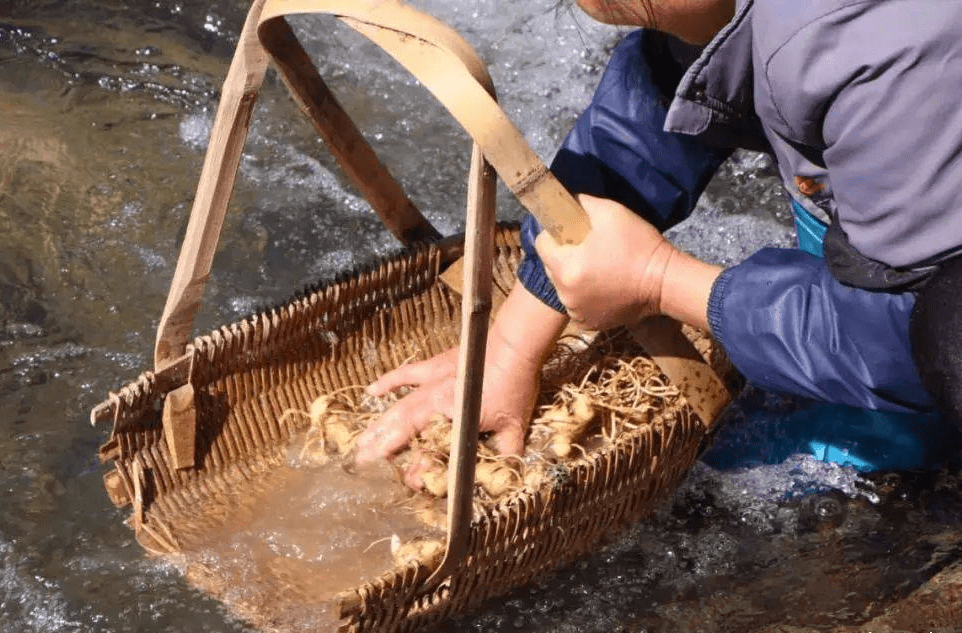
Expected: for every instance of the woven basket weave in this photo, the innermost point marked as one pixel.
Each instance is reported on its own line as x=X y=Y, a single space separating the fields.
x=248 y=373
x=244 y=376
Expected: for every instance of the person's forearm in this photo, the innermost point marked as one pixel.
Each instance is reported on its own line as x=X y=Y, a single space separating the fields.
x=686 y=288
x=524 y=330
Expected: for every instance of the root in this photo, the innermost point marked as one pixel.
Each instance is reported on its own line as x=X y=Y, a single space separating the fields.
x=593 y=394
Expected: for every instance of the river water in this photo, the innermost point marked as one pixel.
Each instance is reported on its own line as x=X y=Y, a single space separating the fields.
x=105 y=108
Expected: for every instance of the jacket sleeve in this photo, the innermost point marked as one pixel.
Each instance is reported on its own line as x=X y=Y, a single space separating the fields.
x=618 y=150
x=790 y=327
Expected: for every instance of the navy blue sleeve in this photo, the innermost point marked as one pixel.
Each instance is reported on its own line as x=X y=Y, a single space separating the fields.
x=619 y=150
x=790 y=327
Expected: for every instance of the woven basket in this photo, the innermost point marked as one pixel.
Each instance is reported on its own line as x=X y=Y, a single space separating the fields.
x=201 y=434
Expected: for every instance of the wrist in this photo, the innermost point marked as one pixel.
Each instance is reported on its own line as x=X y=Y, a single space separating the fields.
x=686 y=287
x=650 y=286
x=524 y=331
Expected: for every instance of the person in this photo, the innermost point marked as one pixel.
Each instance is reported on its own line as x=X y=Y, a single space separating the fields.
x=858 y=103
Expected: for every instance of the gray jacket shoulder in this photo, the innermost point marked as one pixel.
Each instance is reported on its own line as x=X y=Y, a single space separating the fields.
x=806 y=51
x=868 y=91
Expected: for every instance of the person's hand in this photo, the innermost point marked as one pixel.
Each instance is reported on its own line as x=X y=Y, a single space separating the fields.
x=518 y=342
x=507 y=402
x=615 y=275
x=508 y=399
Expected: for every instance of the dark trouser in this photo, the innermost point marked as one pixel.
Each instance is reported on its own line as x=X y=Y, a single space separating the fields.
x=935 y=327
x=936 y=334
x=865 y=439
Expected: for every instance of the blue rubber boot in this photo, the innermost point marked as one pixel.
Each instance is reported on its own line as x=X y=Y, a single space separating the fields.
x=862 y=439
x=810 y=230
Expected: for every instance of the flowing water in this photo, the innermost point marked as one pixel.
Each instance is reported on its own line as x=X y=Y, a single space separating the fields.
x=105 y=109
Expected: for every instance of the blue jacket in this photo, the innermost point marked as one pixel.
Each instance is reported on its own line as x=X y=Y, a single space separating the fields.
x=832 y=88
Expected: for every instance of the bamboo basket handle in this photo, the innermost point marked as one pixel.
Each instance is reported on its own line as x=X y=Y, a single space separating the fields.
x=449 y=68
x=469 y=95
x=239 y=93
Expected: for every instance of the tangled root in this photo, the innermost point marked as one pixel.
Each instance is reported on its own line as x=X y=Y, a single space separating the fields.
x=336 y=421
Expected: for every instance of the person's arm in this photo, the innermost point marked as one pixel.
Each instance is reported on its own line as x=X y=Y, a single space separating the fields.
x=618 y=149
x=782 y=318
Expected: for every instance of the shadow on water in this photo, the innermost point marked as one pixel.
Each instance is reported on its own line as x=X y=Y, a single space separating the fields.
x=105 y=108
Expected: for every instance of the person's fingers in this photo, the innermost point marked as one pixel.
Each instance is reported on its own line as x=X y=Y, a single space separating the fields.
x=509 y=437
x=405 y=375
x=412 y=374
x=586 y=200
x=598 y=209
x=551 y=255
x=547 y=250
x=414 y=475
x=395 y=429
x=511 y=442
x=384 y=440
